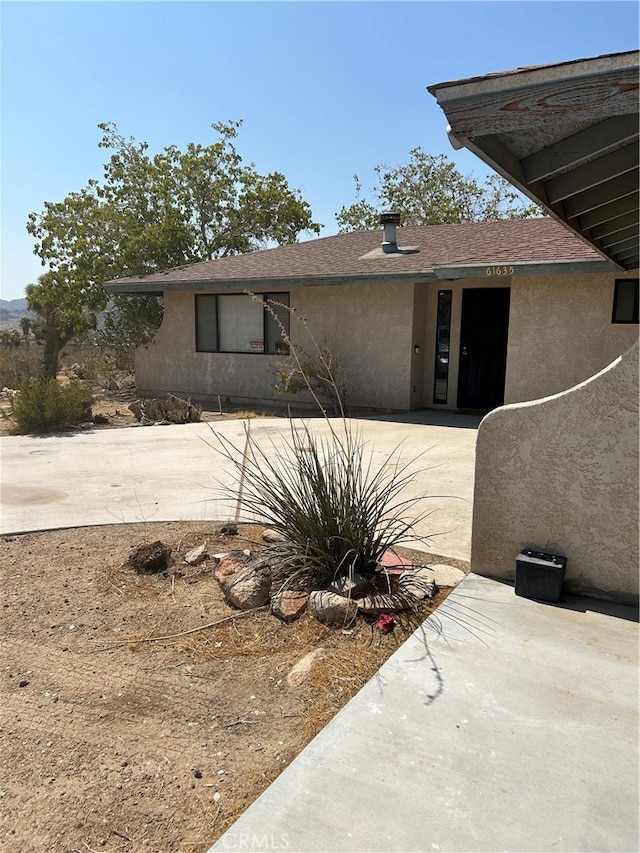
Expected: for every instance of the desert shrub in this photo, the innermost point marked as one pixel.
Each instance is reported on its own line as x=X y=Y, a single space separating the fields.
x=18 y=365
x=335 y=504
x=336 y=509
x=45 y=406
x=322 y=372
x=97 y=363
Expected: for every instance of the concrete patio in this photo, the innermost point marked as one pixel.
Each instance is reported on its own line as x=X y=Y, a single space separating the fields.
x=503 y=724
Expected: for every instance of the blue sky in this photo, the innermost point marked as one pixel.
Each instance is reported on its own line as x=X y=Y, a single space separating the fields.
x=325 y=90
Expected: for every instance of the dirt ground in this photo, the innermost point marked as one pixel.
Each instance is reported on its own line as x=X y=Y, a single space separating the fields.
x=141 y=712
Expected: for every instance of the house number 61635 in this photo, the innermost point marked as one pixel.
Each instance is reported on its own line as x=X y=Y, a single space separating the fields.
x=499 y=271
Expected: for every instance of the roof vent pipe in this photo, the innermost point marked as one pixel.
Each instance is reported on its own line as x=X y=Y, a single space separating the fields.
x=390 y=222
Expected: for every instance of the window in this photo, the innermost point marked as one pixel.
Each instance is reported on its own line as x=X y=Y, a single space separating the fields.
x=625 y=301
x=443 y=334
x=234 y=322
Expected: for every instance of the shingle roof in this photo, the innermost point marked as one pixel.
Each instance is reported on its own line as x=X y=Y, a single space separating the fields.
x=522 y=241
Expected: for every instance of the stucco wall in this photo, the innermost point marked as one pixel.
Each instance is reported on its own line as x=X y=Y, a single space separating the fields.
x=370 y=327
x=561 y=475
x=560 y=333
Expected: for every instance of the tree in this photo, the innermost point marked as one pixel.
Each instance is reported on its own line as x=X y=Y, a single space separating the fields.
x=151 y=213
x=429 y=190
x=63 y=319
x=25 y=328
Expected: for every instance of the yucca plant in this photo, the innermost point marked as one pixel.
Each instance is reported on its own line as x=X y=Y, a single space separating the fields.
x=336 y=511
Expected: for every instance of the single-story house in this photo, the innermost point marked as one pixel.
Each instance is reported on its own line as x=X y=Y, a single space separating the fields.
x=464 y=316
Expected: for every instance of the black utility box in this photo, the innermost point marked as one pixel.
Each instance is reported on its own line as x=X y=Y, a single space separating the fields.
x=540 y=575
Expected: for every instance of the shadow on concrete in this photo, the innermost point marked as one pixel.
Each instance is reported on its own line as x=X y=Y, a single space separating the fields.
x=429 y=417
x=585 y=604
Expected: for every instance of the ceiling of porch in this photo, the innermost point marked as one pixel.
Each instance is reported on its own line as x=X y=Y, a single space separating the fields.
x=566 y=135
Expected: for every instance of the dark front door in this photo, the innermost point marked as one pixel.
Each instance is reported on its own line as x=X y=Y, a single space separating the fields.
x=483 y=347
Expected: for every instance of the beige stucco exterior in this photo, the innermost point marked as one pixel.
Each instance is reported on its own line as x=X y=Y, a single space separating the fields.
x=560 y=333
x=560 y=475
x=369 y=327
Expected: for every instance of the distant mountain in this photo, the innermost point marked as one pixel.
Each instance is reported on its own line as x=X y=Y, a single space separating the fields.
x=13 y=304
x=12 y=311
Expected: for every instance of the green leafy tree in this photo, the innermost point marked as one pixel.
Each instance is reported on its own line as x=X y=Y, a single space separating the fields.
x=62 y=317
x=151 y=213
x=429 y=190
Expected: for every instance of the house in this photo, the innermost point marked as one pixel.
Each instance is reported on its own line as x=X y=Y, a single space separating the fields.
x=462 y=316
x=560 y=474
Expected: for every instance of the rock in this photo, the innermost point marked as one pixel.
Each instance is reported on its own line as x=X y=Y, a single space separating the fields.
x=331 y=608
x=230 y=564
x=289 y=604
x=418 y=584
x=300 y=672
x=196 y=555
x=173 y=409
x=411 y=588
x=100 y=419
x=243 y=586
x=383 y=602
x=445 y=575
x=228 y=530
x=272 y=536
x=137 y=408
x=393 y=564
x=150 y=558
x=112 y=385
x=351 y=585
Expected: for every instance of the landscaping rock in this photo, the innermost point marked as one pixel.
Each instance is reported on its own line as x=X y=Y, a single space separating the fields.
x=300 y=672
x=383 y=602
x=196 y=555
x=331 y=608
x=243 y=586
x=394 y=564
x=351 y=586
x=136 y=408
x=231 y=564
x=272 y=536
x=289 y=604
x=446 y=576
x=417 y=584
x=229 y=530
x=173 y=409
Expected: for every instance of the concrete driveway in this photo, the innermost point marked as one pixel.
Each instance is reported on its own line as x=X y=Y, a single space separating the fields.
x=503 y=724
x=171 y=473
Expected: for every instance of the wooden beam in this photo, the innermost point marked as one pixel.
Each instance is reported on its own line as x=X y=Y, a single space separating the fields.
x=603 y=194
x=592 y=174
x=580 y=147
x=613 y=226
x=629 y=234
x=619 y=207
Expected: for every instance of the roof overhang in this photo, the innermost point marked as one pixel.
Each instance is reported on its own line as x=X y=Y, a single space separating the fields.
x=236 y=285
x=143 y=287
x=566 y=136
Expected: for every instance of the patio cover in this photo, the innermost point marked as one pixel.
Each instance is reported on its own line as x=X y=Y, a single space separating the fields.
x=566 y=135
